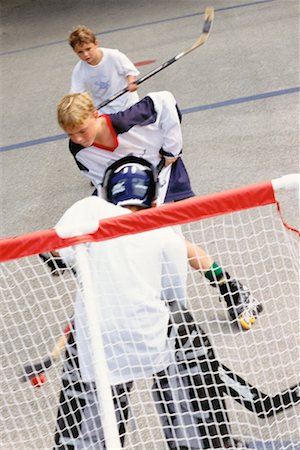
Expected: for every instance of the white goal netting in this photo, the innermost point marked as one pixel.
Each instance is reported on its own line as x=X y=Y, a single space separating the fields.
x=213 y=384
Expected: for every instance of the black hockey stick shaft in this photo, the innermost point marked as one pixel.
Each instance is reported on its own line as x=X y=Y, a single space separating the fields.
x=251 y=398
x=208 y=20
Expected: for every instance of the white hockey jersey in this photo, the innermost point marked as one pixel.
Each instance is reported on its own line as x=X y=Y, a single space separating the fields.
x=105 y=79
x=128 y=274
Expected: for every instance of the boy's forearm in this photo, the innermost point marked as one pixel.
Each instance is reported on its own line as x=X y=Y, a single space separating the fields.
x=131 y=82
x=198 y=258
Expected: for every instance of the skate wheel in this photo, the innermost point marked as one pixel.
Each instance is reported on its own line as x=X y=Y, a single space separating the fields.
x=245 y=324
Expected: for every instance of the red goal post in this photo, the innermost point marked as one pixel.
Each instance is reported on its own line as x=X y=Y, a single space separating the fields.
x=244 y=230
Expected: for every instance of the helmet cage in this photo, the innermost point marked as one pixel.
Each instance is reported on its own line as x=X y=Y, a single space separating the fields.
x=130 y=181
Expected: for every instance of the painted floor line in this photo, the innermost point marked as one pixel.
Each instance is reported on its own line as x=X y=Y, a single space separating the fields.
x=194 y=109
x=236 y=101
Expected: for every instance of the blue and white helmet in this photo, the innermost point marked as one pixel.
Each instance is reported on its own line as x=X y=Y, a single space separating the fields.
x=130 y=181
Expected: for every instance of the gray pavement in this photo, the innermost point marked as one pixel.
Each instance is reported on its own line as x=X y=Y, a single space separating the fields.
x=253 y=50
x=239 y=95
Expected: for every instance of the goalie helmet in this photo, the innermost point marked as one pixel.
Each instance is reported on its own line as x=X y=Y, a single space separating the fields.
x=130 y=181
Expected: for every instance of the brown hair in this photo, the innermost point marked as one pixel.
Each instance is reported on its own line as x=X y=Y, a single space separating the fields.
x=74 y=109
x=81 y=35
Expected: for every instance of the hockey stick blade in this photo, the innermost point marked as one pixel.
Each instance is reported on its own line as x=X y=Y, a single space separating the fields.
x=208 y=20
x=263 y=405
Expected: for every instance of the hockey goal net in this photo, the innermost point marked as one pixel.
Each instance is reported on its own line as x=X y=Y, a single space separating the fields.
x=256 y=396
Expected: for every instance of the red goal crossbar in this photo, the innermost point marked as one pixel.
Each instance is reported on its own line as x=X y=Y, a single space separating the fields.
x=179 y=213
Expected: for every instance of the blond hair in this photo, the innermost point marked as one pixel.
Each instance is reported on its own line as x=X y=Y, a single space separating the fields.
x=74 y=109
x=81 y=35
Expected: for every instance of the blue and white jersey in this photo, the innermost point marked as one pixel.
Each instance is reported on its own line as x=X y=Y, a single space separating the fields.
x=149 y=129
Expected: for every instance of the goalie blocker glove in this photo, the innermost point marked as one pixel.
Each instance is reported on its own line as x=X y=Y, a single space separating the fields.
x=55 y=264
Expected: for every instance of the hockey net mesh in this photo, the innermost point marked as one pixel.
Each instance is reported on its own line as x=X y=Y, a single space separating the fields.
x=254 y=246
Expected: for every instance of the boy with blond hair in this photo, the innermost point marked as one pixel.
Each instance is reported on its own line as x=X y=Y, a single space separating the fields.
x=102 y=71
x=149 y=129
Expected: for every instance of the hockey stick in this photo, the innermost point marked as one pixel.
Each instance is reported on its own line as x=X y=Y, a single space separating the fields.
x=208 y=20
x=240 y=390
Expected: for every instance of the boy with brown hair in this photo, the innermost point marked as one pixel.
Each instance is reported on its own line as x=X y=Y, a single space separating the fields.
x=102 y=71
